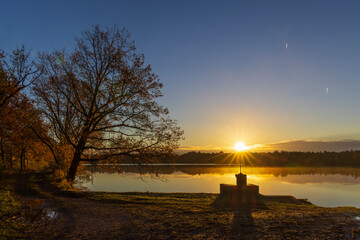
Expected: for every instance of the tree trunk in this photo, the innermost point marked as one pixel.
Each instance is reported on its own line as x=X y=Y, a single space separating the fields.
x=73 y=169
x=76 y=159
x=2 y=151
x=22 y=159
x=11 y=161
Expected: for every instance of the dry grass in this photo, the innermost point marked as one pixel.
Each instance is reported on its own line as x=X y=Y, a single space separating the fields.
x=192 y=216
x=103 y=215
x=11 y=223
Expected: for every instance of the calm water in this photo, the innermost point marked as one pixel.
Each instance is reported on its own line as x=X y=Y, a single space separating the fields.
x=322 y=186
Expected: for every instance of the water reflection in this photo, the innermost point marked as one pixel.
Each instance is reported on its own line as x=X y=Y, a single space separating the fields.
x=322 y=186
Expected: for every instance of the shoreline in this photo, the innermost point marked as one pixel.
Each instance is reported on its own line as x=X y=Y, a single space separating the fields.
x=40 y=211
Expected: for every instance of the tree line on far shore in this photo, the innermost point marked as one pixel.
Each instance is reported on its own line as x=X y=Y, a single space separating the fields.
x=276 y=158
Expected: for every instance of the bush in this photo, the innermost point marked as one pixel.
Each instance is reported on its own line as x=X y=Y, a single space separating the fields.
x=59 y=180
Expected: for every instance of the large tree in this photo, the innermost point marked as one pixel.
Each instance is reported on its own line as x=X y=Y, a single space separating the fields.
x=100 y=100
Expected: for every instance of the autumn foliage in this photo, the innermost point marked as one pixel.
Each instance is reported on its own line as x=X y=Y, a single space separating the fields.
x=19 y=146
x=97 y=103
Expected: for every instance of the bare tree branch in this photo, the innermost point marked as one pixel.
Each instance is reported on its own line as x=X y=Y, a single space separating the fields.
x=101 y=100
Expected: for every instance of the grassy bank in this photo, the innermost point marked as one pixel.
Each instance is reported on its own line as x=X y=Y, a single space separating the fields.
x=104 y=215
x=193 y=216
x=11 y=225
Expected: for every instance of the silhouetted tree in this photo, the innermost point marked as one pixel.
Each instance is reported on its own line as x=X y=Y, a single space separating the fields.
x=17 y=71
x=99 y=101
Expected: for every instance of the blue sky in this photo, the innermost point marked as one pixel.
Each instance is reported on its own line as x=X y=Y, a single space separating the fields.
x=227 y=73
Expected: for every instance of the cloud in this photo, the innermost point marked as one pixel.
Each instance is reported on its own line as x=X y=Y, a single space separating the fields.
x=296 y=145
x=313 y=146
x=208 y=148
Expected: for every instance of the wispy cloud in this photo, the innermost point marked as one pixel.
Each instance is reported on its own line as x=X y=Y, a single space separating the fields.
x=315 y=145
x=208 y=148
x=294 y=145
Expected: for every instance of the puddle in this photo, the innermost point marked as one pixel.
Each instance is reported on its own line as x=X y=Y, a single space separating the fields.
x=51 y=214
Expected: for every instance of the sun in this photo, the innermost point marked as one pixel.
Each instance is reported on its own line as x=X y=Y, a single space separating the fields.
x=240 y=146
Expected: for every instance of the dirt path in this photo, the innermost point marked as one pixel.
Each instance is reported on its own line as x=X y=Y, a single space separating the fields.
x=45 y=211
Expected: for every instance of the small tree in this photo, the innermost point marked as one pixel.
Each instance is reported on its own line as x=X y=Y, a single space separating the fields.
x=100 y=101
x=18 y=143
x=17 y=71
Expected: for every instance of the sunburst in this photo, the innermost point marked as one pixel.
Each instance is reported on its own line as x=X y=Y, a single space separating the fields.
x=240 y=146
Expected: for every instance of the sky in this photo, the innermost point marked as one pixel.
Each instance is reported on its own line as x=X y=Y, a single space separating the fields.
x=260 y=72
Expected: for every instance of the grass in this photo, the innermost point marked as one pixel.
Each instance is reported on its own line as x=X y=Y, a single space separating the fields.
x=10 y=214
x=145 y=215
x=192 y=216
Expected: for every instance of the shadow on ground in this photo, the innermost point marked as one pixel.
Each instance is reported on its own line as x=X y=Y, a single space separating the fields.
x=243 y=226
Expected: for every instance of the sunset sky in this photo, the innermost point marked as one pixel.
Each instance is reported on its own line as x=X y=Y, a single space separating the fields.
x=260 y=72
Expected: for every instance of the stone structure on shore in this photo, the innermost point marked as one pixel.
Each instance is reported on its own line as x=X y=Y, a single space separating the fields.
x=241 y=194
x=246 y=196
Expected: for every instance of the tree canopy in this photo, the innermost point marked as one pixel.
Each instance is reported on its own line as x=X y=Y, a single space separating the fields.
x=19 y=146
x=17 y=71
x=99 y=102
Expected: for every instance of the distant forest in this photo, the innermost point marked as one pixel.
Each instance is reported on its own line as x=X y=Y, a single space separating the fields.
x=276 y=159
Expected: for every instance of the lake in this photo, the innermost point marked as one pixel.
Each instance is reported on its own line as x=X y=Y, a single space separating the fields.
x=328 y=187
